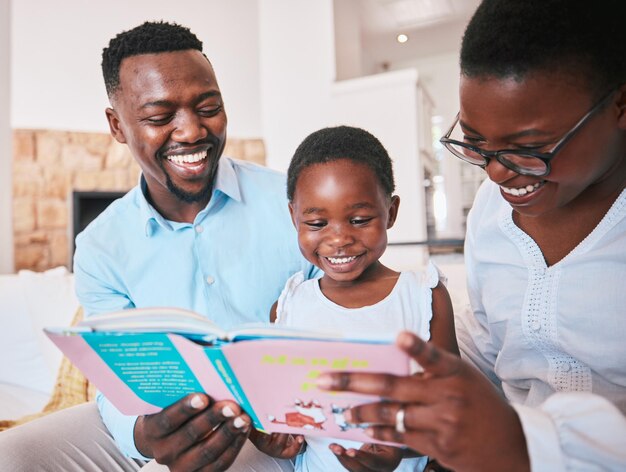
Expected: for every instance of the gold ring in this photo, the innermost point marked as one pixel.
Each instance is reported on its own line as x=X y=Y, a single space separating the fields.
x=400 y=426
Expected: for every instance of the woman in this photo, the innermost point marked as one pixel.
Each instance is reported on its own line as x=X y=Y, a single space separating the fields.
x=543 y=111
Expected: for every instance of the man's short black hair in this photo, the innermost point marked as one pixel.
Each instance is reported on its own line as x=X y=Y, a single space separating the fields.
x=513 y=38
x=341 y=142
x=148 y=38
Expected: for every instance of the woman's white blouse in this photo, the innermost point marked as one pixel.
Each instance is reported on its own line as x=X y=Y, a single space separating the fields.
x=552 y=338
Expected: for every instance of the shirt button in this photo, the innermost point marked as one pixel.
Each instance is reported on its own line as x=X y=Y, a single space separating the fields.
x=535 y=325
x=210 y=280
x=199 y=229
x=566 y=367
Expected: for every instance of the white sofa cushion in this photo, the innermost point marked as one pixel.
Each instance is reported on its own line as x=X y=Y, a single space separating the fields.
x=30 y=301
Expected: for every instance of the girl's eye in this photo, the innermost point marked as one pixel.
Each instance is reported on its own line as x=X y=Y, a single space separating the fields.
x=315 y=225
x=360 y=221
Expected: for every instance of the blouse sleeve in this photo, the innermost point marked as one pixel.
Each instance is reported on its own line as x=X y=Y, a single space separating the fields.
x=574 y=431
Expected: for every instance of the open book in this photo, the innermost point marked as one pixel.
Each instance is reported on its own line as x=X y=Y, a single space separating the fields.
x=143 y=360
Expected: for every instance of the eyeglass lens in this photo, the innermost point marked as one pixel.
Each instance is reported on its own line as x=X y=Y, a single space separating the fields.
x=525 y=163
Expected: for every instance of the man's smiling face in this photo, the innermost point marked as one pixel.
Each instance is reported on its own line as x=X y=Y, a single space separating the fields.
x=168 y=109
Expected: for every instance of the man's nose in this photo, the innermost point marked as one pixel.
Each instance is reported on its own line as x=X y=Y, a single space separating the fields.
x=189 y=128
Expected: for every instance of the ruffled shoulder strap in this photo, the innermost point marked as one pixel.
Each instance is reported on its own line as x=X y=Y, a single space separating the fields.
x=285 y=296
x=431 y=276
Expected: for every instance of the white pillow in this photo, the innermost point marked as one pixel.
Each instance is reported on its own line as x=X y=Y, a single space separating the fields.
x=22 y=360
x=30 y=301
x=51 y=301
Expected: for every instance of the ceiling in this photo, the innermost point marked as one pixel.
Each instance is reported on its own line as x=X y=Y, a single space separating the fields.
x=434 y=27
x=395 y=16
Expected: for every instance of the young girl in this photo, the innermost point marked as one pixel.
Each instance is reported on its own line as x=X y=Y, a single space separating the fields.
x=340 y=188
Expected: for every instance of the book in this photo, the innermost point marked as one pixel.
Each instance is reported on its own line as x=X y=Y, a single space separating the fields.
x=143 y=360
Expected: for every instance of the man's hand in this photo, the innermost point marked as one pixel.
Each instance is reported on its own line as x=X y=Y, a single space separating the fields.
x=193 y=433
x=279 y=445
x=451 y=411
x=368 y=458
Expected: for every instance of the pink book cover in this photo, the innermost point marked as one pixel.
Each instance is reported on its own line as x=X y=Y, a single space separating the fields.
x=142 y=373
x=272 y=379
x=278 y=378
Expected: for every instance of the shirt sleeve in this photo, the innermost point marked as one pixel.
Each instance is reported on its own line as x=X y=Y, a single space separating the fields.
x=121 y=427
x=97 y=286
x=574 y=431
x=96 y=296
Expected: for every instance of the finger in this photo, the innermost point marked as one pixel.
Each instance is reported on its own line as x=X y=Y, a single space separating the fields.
x=171 y=418
x=378 y=456
x=431 y=358
x=419 y=440
x=218 y=450
x=416 y=416
x=347 y=458
x=196 y=430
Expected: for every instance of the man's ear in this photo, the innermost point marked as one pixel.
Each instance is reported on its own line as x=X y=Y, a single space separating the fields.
x=621 y=103
x=115 y=125
x=393 y=211
x=293 y=220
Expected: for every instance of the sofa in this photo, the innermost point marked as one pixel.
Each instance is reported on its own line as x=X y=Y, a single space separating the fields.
x=30 y=301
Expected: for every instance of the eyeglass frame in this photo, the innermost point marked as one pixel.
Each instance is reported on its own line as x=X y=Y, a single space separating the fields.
x=545 y=157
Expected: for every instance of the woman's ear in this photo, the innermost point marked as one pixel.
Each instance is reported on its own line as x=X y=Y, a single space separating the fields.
x=115 y=125
x=393 y=211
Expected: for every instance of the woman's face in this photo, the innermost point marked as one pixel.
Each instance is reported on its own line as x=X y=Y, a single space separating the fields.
x=535 y=113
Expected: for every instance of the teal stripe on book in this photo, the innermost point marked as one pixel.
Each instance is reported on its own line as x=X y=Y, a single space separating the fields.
x=148 y=363
x=217 y=358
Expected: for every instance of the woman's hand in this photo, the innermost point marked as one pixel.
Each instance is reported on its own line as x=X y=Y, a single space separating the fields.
x=279 y=445
x=368 y=458
x=450 y=412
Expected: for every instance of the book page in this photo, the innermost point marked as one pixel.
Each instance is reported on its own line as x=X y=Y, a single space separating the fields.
x=160 y=319
x=278 y=378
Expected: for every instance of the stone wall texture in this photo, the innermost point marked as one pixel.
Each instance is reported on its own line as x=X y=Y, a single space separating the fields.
x=49 y=165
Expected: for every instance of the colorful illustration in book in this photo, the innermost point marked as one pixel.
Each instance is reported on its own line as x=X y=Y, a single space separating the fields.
x=340 y=420
x=308 y=415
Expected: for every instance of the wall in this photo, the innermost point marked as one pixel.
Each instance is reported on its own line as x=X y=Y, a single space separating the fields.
x=49 y=165
x=348 y=49
x=440 y=76
x=297 y=70
x=6 y=237
x=57 y=46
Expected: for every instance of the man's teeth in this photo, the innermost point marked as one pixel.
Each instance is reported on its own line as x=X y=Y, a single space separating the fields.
x=341 y=260
x=520 y=192
x=188 y=158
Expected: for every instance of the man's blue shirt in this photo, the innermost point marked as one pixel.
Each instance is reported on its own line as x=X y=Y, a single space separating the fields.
x=230 y=264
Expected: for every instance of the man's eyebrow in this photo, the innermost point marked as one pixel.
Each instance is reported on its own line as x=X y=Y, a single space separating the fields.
x=509 y=137
x=168 y=103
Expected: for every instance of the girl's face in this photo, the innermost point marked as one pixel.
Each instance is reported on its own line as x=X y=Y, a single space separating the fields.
x=535 y=113
x=342 y=214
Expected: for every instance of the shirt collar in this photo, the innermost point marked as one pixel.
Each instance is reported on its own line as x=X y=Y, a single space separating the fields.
x=225 y=182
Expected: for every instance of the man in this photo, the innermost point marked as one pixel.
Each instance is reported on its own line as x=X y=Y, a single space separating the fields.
x=200 y=231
